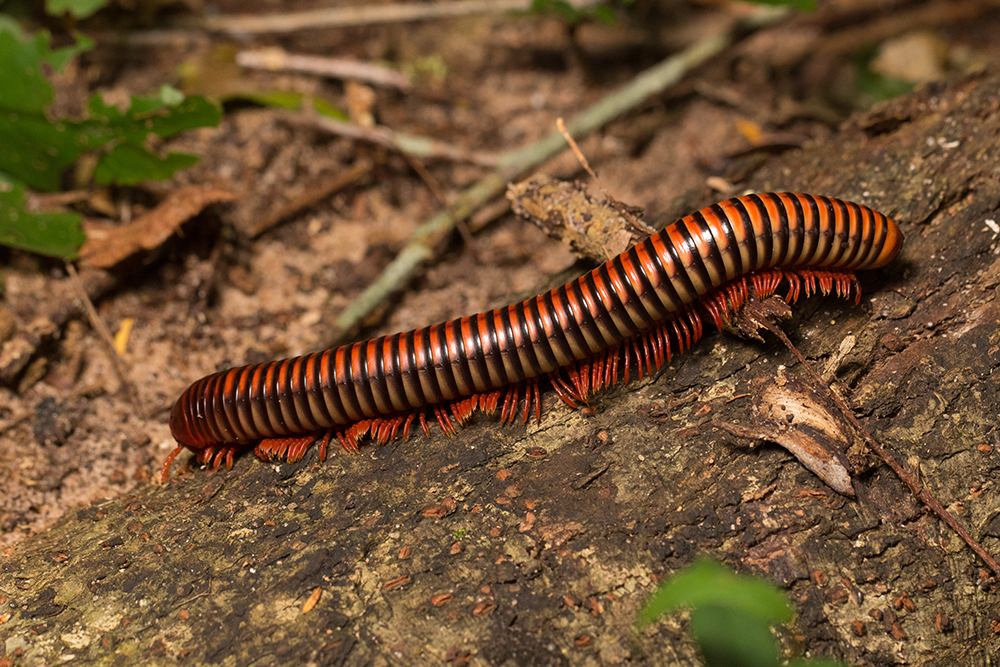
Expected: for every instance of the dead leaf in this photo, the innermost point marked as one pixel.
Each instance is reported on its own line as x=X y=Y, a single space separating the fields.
x=799 y=419
x=108 y=244
x=594 y=228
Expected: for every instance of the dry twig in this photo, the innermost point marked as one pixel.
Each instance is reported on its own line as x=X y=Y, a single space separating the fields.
x=580 y=157
x=312 y=197
x=278 y=60
x=121 y=368
x=363 y=14
x=423 y=147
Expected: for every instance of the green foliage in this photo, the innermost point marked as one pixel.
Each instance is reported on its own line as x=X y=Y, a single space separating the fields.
x=78 y=9
x=36 y=149
x=873 y=87
x=291 y=100
x=707 y=583
x=122 y=134
x=731 y=615
x=571 y=15
x=801 y=5
x=50 y=233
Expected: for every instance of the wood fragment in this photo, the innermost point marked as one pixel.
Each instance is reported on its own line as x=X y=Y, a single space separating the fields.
x=278 y=60
x=565 y=211
x=107 y=340
x=362 y=14
x=789 y=414
x=107 y=244
x=313 y=600
x=396 y=583
x=311 y=197
x=424 y=147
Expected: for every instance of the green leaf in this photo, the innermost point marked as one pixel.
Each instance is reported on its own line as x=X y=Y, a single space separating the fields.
x=275 y=99
x=35 y=150
x=28 y=52
x=22 y=86
x=56 y=233
x=872 y=86
x=706 y=582
x=170 y=95
x=801 y=5
x=728 y=637
x=193 y=112
x=151 y=114
x=326 y=108
x=604 y=14
x=59 y=58
x=566 y=12
x=140 y=106
x=287 y=99
x=78 y=8
x=10 y=25
x=128 y=164
x=558 y=8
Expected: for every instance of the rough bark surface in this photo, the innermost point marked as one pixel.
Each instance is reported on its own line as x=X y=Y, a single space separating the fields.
x=537 y=545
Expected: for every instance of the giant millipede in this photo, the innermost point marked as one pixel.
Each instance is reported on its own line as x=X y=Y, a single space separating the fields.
x=641 y=306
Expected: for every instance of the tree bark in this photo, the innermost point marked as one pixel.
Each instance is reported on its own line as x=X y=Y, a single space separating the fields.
x=537 y=545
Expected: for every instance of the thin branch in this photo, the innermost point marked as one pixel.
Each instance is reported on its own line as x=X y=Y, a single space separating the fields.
x=423 y=147
x=421 y=247
x=362 y=14
x=435 y=187
x=580 y=157
x=121 y=368
x=279 y=60
x=312 y=197
x=935 y=15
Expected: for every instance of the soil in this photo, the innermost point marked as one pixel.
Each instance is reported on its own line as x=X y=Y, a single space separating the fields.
x=530 y=544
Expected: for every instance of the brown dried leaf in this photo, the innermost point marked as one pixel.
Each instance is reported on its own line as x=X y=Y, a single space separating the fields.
x=107 y=245
x=596 y=229
x=790 y=414
x=313 y=599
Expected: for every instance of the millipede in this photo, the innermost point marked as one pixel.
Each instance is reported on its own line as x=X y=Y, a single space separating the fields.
x=633 y=312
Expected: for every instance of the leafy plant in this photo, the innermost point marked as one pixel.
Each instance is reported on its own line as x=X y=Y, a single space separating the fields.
x=801 y=5
x=291 y=100
x=871 y=86
x=731 y=615
x=50 y=233
x=601 y=12
x=78 y=9
x=36 y=149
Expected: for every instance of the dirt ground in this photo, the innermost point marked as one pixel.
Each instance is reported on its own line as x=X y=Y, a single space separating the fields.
x=77 y=429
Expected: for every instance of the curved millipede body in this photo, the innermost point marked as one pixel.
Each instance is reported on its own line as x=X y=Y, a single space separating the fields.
x=639 y=307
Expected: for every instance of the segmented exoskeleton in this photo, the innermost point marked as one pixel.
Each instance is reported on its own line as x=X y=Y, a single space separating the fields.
x=639 y=307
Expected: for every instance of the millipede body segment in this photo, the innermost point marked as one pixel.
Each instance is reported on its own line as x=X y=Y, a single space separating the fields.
x=639 y=308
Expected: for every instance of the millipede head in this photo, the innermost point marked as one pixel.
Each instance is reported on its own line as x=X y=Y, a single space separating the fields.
x=182 y=427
